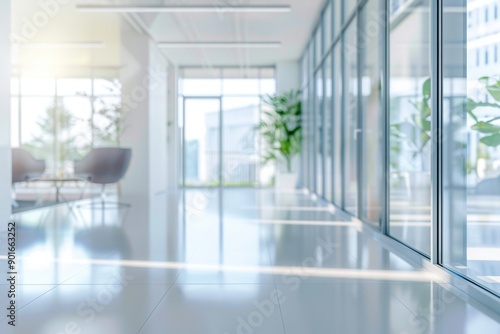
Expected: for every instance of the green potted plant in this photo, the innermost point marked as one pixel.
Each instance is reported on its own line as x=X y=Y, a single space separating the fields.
x=410 y=138
x=486 y=122
x=281 y=131
x=488 y=128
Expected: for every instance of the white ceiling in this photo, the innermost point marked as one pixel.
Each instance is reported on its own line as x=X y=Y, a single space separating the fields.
x=69 y=25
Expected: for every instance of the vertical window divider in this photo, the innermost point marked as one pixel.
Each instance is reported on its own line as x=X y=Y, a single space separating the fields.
x=19 y=110
x=384 y=224
x=314 y=113
x=437 y=131
x=359 y=125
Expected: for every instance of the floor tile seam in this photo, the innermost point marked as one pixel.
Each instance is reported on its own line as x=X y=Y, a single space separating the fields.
x=159 y=302
x=36 y=298
x=54 y=286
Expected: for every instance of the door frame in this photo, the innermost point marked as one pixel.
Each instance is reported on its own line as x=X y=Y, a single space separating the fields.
x=221 y=122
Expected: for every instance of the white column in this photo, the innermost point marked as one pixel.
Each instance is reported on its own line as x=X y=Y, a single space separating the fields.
x=5 y=151
x=174 y=154
x=287 y=76
x=144 y=94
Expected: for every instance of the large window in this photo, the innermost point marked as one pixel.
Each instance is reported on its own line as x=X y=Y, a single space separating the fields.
x=328 y=133
x=406 y=135
x=221 y=109
x=337 y=126
x=471 y=146
x=410 y=131
x=319 y=130
x=351 y=129
x=372 y=116
x=59 y=120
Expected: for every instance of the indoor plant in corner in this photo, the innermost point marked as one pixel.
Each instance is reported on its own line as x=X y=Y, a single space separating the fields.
x=281 y=131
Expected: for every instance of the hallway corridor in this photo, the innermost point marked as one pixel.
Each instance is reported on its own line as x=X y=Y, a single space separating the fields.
x=236 y=261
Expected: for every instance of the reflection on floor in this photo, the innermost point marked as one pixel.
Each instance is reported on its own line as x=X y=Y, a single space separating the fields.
x=237 y=261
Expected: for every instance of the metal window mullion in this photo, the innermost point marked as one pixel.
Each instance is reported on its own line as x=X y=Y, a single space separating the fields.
x=56 y=124
x=384 y=223
x=323 y=136
x=314 y=127
x=342 y=122
x=332 y=125
x=184 y=141
x=360 y=119
x=437 y=130
x=19 y=111
x=92 y=115
x=221 y=138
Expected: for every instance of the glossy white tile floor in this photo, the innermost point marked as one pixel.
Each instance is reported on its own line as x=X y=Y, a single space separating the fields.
x=240 y=261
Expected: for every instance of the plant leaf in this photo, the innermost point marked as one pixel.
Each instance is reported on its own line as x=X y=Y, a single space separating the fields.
x=493 y=89
x=492 y=141
x=485 y=127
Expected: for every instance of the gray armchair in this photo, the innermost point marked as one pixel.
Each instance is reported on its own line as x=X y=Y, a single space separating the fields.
x=104 y=165
x=25 y=167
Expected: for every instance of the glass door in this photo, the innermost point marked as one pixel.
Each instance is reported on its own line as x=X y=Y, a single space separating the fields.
x=202 y=141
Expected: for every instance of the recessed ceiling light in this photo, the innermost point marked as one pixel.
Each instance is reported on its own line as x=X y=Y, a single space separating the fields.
x=79 y=45
x=218 y=45
x=186 y=9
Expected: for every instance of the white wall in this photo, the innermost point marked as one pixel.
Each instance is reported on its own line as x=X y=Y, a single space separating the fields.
x=5 y=152
x=144 y=94
x=287 y=76
x=158 y=97
x=144 y=90
x=173 y=132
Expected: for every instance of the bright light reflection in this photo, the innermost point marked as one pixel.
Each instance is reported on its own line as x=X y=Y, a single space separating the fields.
x=483 y=254
x=300 y=222
x=289 y=208
x=389 y=275
x=490 y=279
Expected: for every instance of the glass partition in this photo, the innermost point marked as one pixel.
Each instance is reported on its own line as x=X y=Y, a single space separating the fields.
x=371 y=44
x=224 y=142
x=410 y=125
x=328 y=133
x=319 y=130
x=350 y=119
x=337 y=126
x=380 y=145
x=471 y=143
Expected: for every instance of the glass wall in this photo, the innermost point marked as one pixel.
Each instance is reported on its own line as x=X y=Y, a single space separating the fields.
x=312 y=124
x=337 y=125
x=327 y=135
x=319 y=130
x=372 y=118
x=410 y=125
x=224 y=143
x=61 y=119
x=350 y=119
x=410 y=133
x=471 y=142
